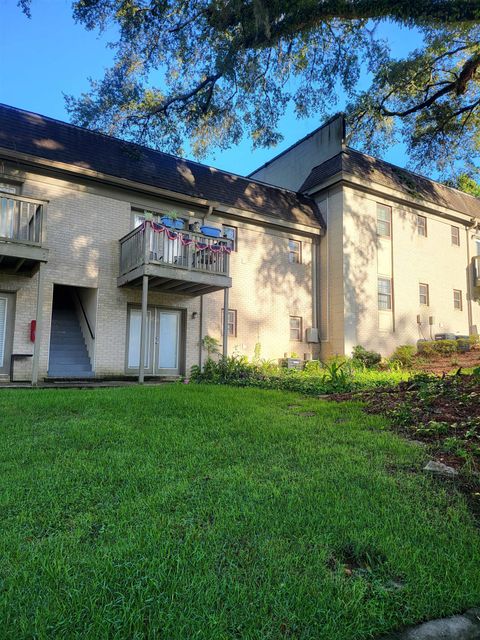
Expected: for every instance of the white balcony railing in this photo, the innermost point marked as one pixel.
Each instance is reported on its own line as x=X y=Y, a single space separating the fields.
x=21 y=219
x=153 y=243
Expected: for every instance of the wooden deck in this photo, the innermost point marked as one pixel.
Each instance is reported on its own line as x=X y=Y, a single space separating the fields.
x=185 y=262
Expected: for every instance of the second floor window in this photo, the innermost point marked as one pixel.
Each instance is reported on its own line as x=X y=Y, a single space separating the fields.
x=422 y=226
x=7 y=187
x=455 y=231
x=231 y=234
x=384 y=220
x=424 y=295
x=294 y=252
x=295 y=328
x=457 y=299
x=384 y=294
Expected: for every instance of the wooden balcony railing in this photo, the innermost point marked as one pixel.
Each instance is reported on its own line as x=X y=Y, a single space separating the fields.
x=21 y=219
x=187 y=250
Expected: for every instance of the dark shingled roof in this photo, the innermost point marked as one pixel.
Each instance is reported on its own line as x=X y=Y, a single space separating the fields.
x=362 y=166
x=58 y=141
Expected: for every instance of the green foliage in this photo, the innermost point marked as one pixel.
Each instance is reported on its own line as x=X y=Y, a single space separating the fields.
x=362 y=357
x=211 y=346
x=199 y=512
x=431 y=348
x=467 y=184
x=404 y=355
x=214 y=72
x=335 y=376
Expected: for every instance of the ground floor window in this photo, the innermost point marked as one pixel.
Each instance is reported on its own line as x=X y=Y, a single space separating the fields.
x=384 y=293
x=457 y=299
x=231 y=323
x=296 y=328
x=424 y=294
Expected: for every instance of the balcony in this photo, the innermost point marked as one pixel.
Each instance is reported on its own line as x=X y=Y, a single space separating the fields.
x=476 y=271
x=180 y=262
x=21 y=235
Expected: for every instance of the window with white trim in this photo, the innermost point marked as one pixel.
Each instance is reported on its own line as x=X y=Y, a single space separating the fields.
x=231 y=234
x=384 y=220
x=384 y=293
x=294 y=251
x=424 y=294
x=231 y=323
x=295 y=328
x=457 y=299
x=421 y=225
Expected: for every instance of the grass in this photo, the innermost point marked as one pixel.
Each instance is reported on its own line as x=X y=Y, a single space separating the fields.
x=203 y=512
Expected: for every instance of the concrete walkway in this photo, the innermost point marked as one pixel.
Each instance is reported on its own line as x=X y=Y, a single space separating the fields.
x=461 y=627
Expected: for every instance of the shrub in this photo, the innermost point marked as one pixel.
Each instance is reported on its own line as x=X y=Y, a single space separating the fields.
x=335 y=376
x=430 y=348
x=403 y=355
x=446 y=347
x=367 y=359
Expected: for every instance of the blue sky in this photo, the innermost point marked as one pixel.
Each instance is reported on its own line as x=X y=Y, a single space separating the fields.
x=49 y=55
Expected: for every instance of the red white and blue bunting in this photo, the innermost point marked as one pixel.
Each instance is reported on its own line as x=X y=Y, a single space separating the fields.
x=186 y=240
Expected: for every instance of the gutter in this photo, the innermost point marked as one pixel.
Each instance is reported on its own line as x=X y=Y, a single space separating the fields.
x=172 y=195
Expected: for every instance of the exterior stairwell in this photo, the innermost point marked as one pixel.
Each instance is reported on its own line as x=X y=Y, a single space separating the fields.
x=68 y=353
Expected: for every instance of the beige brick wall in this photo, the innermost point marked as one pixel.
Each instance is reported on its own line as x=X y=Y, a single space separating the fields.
x=409 y=259
x=83 y=226
x=266 y=291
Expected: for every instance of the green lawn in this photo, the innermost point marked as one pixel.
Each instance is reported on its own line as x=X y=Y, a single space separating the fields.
x=203 y=512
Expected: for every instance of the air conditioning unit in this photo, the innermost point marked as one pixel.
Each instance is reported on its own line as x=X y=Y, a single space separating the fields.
x=311 y=334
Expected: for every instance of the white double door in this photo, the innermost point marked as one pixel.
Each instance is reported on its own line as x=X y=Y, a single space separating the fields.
x=163 y=348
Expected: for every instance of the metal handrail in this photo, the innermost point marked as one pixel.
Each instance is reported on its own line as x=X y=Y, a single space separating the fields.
x=92 y=335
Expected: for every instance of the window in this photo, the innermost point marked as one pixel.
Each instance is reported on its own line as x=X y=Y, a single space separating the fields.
x=384 y=294
x=138 y=219
x=455 y=236
x=295 y=328
x=457 y=299
x=424 y=294
x=384 y=220
x=231 y=323
x=7 y=187
x=422 y=226
x=477 y=242
x=294 y=252
x=231 y=234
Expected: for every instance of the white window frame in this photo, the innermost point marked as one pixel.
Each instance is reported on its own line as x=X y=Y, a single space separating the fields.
x=233 y=239
x=298 y=328
x=425 y=295
x=458 y=301
x=294 y=254
x=384 y=227
x=231 y=323
x=422 y=229
x=388 y=295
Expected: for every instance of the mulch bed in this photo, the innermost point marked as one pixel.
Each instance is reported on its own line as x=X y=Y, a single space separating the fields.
x=443 y=364
x=443 y=413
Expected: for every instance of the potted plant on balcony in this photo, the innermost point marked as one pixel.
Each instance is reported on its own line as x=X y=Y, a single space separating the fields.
x=172 y=220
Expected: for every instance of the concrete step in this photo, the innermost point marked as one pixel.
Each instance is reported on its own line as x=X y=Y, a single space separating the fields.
x=68 y=352
x=69 y=370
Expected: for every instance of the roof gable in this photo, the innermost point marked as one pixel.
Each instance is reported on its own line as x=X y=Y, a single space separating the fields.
x=372 y=169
